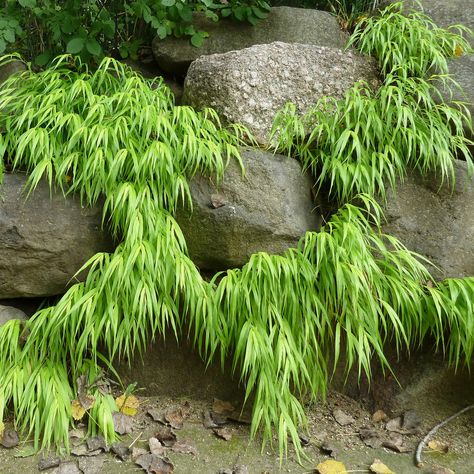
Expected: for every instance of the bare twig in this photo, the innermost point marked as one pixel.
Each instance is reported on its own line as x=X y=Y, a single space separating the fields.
x=425 y=440
x=135 y=440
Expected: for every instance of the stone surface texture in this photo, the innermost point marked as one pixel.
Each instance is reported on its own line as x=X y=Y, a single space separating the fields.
x=436 y=221
x=9 y=68
x=175 y=370
x=447 y=12
x=287 y=24
x=44 y=239
x=10 y=312
x=249 y=86
x=267 y=210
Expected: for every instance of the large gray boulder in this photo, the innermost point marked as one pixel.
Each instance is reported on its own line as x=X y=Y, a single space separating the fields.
x=436 y=220
x=249 y=86
x=267 y=210
x=45 y=239
x=290 y=25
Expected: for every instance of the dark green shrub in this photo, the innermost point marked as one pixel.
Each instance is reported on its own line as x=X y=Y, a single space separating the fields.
x=42 y=29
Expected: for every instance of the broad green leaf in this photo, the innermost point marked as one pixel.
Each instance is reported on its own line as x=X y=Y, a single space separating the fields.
x=76 y=45
x=27 y=3
x=93 y=46
x=197 y=39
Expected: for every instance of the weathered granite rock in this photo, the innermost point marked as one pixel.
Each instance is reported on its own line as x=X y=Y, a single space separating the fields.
x=249 y=86
x=436 y=222
x=10 y=312
x=287 y=24
x=267 y=210
x=45 y=239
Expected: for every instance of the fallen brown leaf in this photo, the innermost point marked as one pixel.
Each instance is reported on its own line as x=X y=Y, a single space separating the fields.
x=123 y=424
x=157 y=415
x=370 y=437
x=222 y=408
x=156 y=447
x=411 y=421
x=120 y=451
x=91 y=465
x=166 y=436
x=217 y=200
x=342 y=418
x=48 y=463
x=395 y=424
x=137 y=452
x=219 y=419
x=78 y=433
x=183 y=448
x=223 y=433
x=83 y=451
x=207 y=420
x=395 y=443
x=328 y=448
x=67 y=468
x=97 y=442
x=379 y=416
x=174 y=418
x=304 y=439
x=153 y=464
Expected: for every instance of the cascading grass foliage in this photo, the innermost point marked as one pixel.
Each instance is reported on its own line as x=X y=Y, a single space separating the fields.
x=408 y=42
x=341 y=295
x=366 y=141
x=111 y=133
x=370 y=138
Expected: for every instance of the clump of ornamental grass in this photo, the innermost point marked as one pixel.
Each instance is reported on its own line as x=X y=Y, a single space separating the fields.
x=347 y=289
x=409 y=42
x=366 y=141
x=104 y=133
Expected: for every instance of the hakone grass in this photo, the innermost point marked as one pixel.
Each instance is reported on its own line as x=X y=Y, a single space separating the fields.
x=371 y=138
x=368 y=140
x=341 y=295
x=407 y=41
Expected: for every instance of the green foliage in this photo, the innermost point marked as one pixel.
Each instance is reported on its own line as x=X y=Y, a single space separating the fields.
x=370 y=138
x=41 y=29
x=341 y=295
x=366 y=141
x=280 y=318
x=107 y=133
x=362 y=144
x=409 y=43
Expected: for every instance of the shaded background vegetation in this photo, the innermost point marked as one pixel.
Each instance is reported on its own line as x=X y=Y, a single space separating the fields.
x=42 y=29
